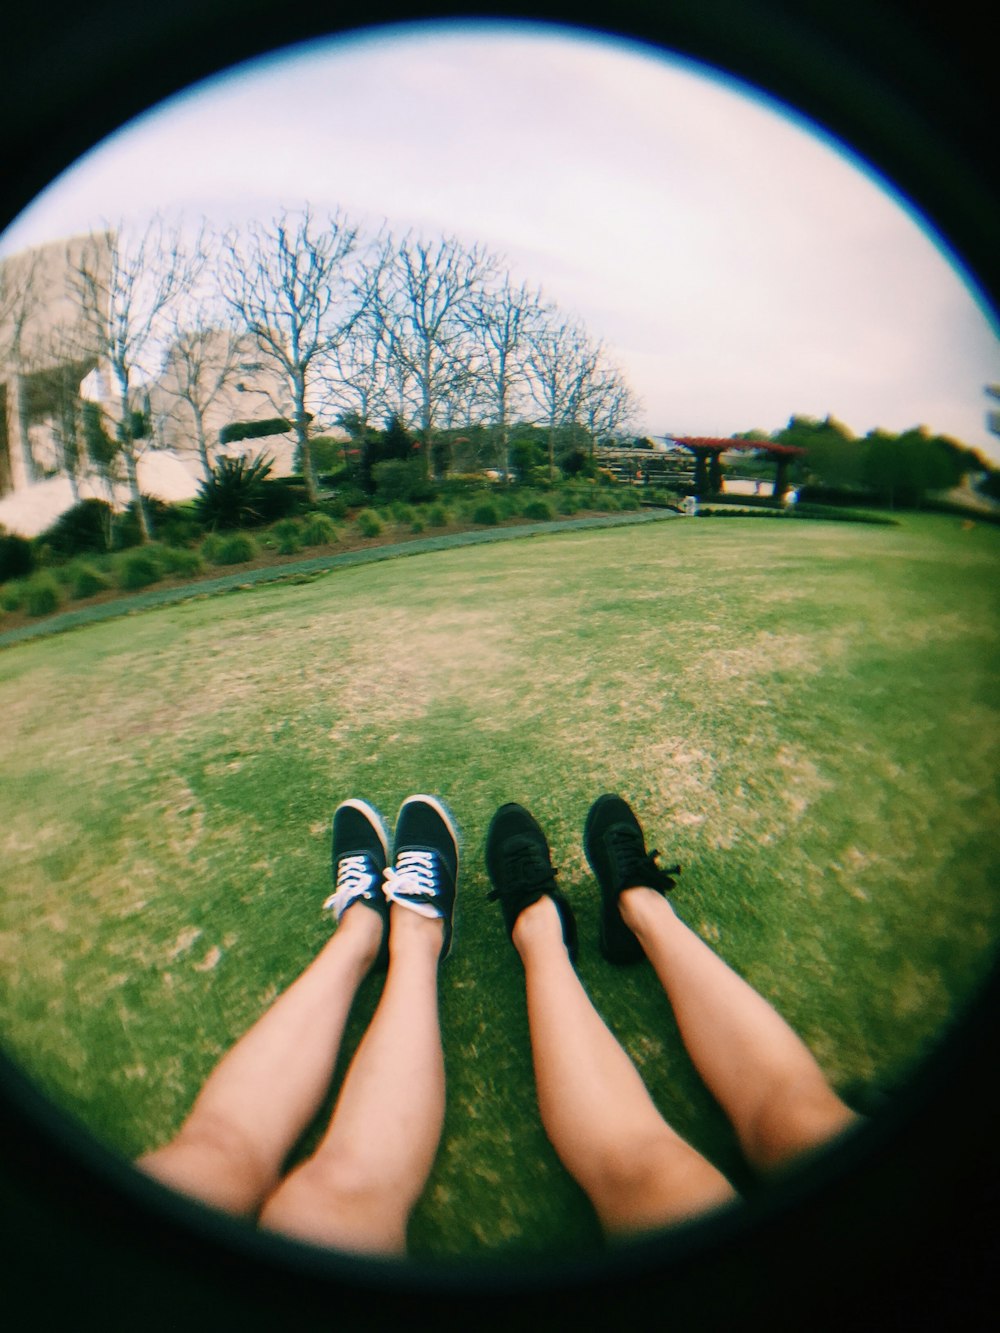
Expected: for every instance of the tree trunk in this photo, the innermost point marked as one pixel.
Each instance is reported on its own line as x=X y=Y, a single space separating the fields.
x=132 y=472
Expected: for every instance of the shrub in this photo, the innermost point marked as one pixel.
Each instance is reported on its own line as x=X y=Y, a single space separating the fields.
x=402 y=513
x=179 y=560
x=287 y=533
x=540 y=509
x=318 y=530
x=351 y=497
x=630 y=500
x=86 y=580
x=17 y=558
x=234 y=495
x=138 y=569
x=41 y=595
x=437 y=516
x=12 y=596
x=369 y=523
x=84 y=529
x=168 y=523
x=568 y=504
x=236 y=548
x=486 y=515
x=396 y=479
x=417 y=525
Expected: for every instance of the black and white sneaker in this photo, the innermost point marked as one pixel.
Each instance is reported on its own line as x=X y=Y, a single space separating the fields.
x=616 y=851
x=424 y=872
x=360 y=852
x=521 y=871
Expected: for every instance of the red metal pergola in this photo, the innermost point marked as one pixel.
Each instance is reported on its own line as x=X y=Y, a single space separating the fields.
x=708 y=453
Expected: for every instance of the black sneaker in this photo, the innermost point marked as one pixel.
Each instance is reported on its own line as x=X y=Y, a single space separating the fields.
x=360 y=852
x=424 y=873
x=616 y=850
x=521 y=870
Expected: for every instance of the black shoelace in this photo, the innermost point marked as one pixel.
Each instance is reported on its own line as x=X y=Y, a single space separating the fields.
x=526 y=870
x=635 y=866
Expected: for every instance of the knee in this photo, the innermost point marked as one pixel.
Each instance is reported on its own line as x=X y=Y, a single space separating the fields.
x=335 y=1200
x=793 y=1120
x=213 y=1160
x=656 y=1182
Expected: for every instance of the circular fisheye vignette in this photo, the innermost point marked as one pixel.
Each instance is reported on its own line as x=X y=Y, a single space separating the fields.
x=812 y=129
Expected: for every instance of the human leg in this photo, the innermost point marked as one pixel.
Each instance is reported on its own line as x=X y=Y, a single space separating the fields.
x=357 y=1190
x=265 y=1090
x=761 y=1073
x=637 y=1171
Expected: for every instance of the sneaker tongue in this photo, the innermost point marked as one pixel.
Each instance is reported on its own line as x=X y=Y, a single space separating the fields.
x=529 y=859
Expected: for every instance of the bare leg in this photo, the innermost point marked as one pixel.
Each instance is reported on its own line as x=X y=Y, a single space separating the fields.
x=760 y=1072
x=638 y=1173
x=358 y=1189
x=265 y=1090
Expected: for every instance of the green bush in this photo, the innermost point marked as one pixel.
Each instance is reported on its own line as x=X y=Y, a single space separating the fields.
x=630 y=500
x=540 y=509
x=568 y=504
x=235 y=496
x=138 y=569
x=437 y=516
x=84 y=529
x=86 y=580
x=398 y=479
x=350 y=497
x=17 y=558
x=318 y=529
x=179 y=560
x=486 y=515
x=236 y=548
x=402 y=513
x=288 y=535
x=42 y=595
x=12 y=595
x=369 y=523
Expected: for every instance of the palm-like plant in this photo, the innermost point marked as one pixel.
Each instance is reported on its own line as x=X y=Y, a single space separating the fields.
x=232 y=495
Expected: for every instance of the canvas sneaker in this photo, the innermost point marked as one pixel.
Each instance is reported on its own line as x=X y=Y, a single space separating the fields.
x=520 y=868
x=424 y=872
x=615 y=848
x=360 y=852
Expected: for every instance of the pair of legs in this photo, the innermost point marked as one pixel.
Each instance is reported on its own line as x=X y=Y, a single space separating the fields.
x=637 y=1171
x=357 y=1190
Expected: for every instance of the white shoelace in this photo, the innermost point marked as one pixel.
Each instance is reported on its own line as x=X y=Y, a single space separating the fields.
x=413 y=873
x=354 y=880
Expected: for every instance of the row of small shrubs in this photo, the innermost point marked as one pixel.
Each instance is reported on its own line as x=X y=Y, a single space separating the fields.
x=796 y=511
x=77 y=576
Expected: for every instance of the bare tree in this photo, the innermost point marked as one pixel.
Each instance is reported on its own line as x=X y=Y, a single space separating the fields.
x=290 y=286
x=202 y=362
x=428 y=298
x=19 y=298
x=125 y=285
x=358 y=375
x=560 y=362
x=607 y=402
x=504 y=320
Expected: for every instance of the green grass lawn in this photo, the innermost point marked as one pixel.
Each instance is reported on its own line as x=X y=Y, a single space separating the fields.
x=804 y=715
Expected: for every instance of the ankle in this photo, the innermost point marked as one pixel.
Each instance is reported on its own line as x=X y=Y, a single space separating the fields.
x=537 y=924
x=642 y=907
x=412 y=933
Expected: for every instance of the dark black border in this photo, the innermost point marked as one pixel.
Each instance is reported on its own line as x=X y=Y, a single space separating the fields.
x=898 y=1224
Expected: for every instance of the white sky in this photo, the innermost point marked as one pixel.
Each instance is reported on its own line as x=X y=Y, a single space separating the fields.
x=739 y=267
